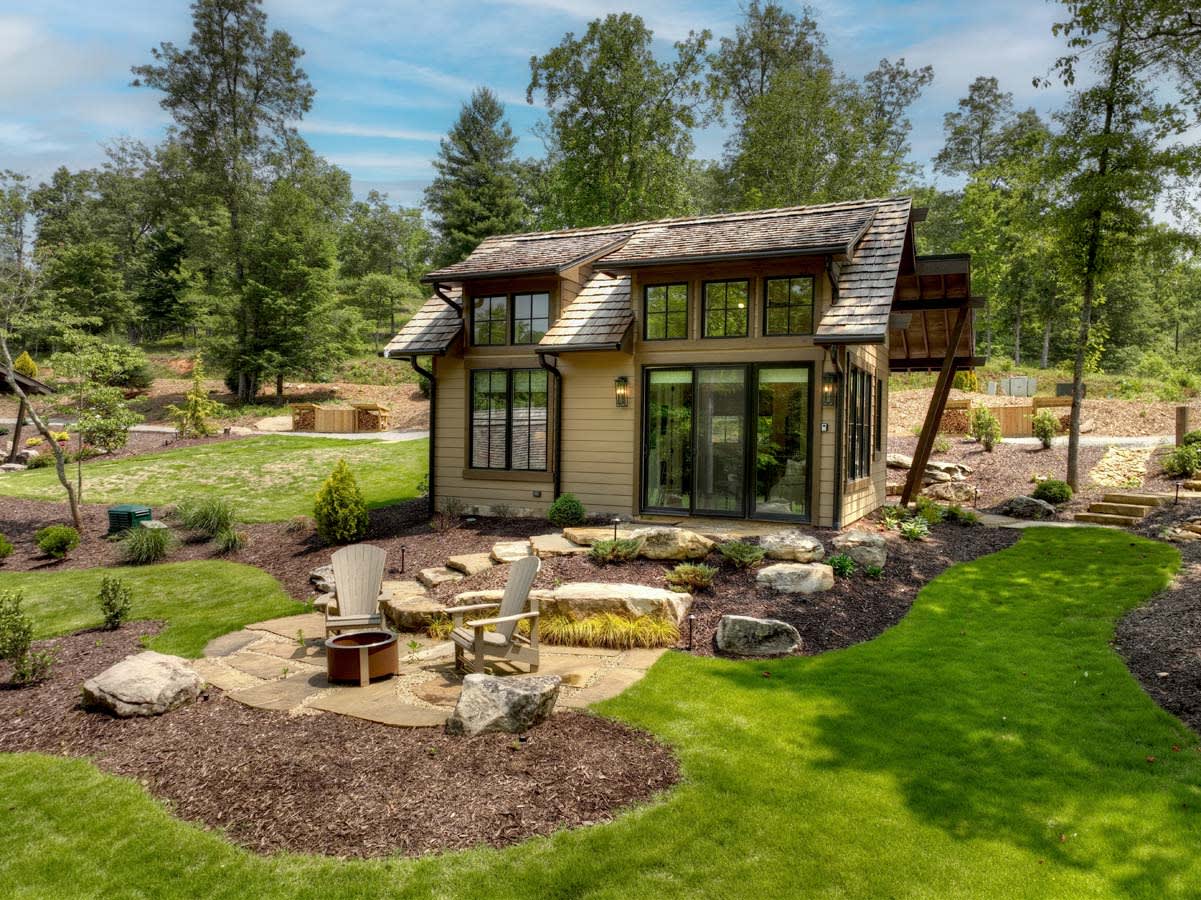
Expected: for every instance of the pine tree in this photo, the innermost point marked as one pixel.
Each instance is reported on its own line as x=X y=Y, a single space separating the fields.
x=340 y=512
x=475 y=193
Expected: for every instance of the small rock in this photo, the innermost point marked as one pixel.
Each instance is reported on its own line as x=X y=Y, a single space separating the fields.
x=792 y=545
x=1027 y=508
x=470 y=563
x=322 y=578
x=865 y=547
x=144 y=684
x=437 y=575
x=797 y=578
x=747 y=636
x=12 y=467
x=511 y=551
x=671 y=543
x=511 y=704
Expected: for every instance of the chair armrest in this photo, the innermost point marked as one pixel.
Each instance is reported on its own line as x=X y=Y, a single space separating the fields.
x=483 y=623
x=474 y=607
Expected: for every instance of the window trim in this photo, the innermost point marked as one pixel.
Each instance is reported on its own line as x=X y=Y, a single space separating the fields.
x=667 y=285
x=767 y=280
x=726 y=309
x=507 y=471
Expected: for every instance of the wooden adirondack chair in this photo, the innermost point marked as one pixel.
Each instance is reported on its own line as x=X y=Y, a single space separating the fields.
x=504 y=643
x=358 y=578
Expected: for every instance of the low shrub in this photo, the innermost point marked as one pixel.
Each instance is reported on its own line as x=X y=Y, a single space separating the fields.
x=208 y=515
x=985 y=428
x=966 y=380
x=1192 y=439
x=1052 y=490
x=142 y=546
x=60 y=437
x=915 y=529
x=34 y=667
x=1183 y=461
x=740 y=554
x=34 y=441
x=608 y=630
x=842 y=564
x=891 y=517
x=610 y=550
x=340 y=511
x=691 y=576
x=942 y=444
x=1045 y=425
x=957 y=515
x=927 y=509
x=41 y=461
x=6 y=547
x=115 y=601
x=16 y=638
x=873 y=572
x=230 y=540
x=57 y=540
x=566 y=511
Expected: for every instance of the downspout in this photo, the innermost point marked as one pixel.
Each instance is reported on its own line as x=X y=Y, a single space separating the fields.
x=445 y=298
x=558 y=460
x=840 y=369
x=429 y=376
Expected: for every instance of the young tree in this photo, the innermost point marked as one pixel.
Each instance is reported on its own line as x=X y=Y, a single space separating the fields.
x=235 y=93
x=619 y=122
x=475 y=193
x=1118 y=143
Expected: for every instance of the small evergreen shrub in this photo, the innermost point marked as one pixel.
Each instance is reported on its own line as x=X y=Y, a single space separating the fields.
x=740 y=554
x=1045 y=426
x=230 y=540
x=915 y=529
x=16 y=628
x=611 y=551
x=57 y=540
x=843 y=565
x=192 y=419
x=35 y=441
x=25 y=365
x=1183 y=461
x=875 y=573
x=6 y=547
x=208 y=515
x=691 y=576
x=115 y=600
x=340 y=512
x=566 y=511
x=966 y=380
x=986 y=428
x=927 y=509
x=1052 y=490
x=142 y=546
x=60 y=437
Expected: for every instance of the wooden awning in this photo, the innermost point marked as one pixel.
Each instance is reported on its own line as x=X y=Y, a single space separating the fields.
x=924 y=309
x=28 y=385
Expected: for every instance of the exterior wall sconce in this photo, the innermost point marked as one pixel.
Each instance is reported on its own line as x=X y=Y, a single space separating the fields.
x=829 y=388
x=621 y=390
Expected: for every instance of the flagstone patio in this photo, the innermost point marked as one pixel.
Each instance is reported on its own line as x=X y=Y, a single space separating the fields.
x=280 y=665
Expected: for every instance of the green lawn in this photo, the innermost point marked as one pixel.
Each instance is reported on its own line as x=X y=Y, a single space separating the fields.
x=991 y=745
x=269 y=479
x=198 y=600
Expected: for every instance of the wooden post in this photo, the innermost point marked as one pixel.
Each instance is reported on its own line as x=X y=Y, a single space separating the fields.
x=1183 y=423
x=938 y=404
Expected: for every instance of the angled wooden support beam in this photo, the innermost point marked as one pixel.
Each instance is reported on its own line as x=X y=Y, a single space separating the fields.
x=938 y=404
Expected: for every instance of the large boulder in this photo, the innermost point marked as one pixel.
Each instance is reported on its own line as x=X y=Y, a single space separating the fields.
x=1027 y=508
x=951 y=468
x=792 y=545
x=747 y=636
x=586 y=598
x=145 y=684
x=587 y=535
x=412 y=613
x=865 y=547
x=322 y=579
x=797 y=578
x=899 y=461
x=952 y=492
x=665 y=542
x=512 y=705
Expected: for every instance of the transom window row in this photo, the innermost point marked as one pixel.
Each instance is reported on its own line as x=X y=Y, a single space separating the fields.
x=502 y=319
x=788 y=308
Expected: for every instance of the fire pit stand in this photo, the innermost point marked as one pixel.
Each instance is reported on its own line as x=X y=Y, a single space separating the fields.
x=361 y=656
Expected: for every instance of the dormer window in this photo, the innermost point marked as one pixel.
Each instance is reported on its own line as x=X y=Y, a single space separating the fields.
x=489 y=321
x=531 y=317
x=501 y=319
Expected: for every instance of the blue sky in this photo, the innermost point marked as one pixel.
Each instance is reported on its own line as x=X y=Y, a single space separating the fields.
x=391 y=75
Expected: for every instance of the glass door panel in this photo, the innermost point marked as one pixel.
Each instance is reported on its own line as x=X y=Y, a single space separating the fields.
x=782 y=442
x=719 y=474
x=668 y=474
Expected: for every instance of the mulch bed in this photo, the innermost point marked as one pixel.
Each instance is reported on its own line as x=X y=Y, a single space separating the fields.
x=331 y=784
x=1161 y=641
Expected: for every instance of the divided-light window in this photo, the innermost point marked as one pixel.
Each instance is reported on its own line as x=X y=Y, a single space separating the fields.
x=489 y=321
x=859 y=425
x=509 y=318
x=665 y=312
x=789 y=305
x=509 y=419
x=725 y=309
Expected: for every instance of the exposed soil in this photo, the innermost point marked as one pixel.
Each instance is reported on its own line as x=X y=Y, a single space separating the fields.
x=332 y=784
x=1161 y=641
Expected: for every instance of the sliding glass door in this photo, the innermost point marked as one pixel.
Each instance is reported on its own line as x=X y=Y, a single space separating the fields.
x=727 y=441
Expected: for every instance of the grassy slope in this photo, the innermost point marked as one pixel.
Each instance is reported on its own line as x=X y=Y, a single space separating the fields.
x=198 y=600
x=269 y=479
x=991 y=745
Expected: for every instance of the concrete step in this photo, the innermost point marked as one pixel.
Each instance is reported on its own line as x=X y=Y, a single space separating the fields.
x=1192 y=485
x=1104 y=519
x=1121 y=509
x=1135 y=499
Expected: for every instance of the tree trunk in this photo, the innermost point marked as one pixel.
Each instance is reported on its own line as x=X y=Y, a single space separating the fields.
x=1043 y=359
x=17 y=429
x=1017 y=334
x=279 y=388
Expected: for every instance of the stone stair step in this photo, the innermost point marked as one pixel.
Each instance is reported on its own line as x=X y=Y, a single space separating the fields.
x=1192 y=485
x=1121 y=509
x=1103 y=519
x=1134 y=499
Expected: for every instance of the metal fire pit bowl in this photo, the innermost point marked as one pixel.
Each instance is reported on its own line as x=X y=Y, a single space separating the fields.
x=361 y=656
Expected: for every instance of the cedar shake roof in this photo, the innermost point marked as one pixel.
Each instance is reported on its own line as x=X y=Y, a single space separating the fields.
x=530 y=254
x=27 y=384
x=598 y=318
x=431 y=329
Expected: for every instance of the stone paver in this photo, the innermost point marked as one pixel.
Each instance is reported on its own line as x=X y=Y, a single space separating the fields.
x=470 y=563
x=283 y=694
x=310 y=625
x=554 y=545
x=400 y=590
x=511 y=551
x=231 y=643
x=219 y=675
x=610 y=684
x=313 y=652
x=262 y=665
x=378 y=702
x=436 y=575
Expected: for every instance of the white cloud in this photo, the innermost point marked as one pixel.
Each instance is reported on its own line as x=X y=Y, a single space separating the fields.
x=350 y=129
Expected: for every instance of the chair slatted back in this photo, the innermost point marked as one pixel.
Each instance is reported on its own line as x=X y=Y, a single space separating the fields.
x=358 y=578
x=517 y=592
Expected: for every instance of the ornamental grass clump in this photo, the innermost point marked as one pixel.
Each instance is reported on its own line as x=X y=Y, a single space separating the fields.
x=230 y=540
x=57 y=540
x=207 y=515
x=115 y=601
x=607 y=630
x=691 y=577
x=142 y=546
x=340 y=511
x=740 y=554
x=614 y=550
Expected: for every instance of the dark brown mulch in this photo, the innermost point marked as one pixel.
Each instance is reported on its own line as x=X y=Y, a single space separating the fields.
x=1161 y=641
x=334 y=785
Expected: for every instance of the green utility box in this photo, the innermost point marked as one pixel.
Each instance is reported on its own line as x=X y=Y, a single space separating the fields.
x=126 y=516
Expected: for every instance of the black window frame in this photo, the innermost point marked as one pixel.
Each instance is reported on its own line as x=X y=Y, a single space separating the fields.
x=667 y=310
x=509 y=432
x=725 y=306
x=475 y=320
x=879 y=421
x=860 y=447
x=514 y=318
x=767 y=305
